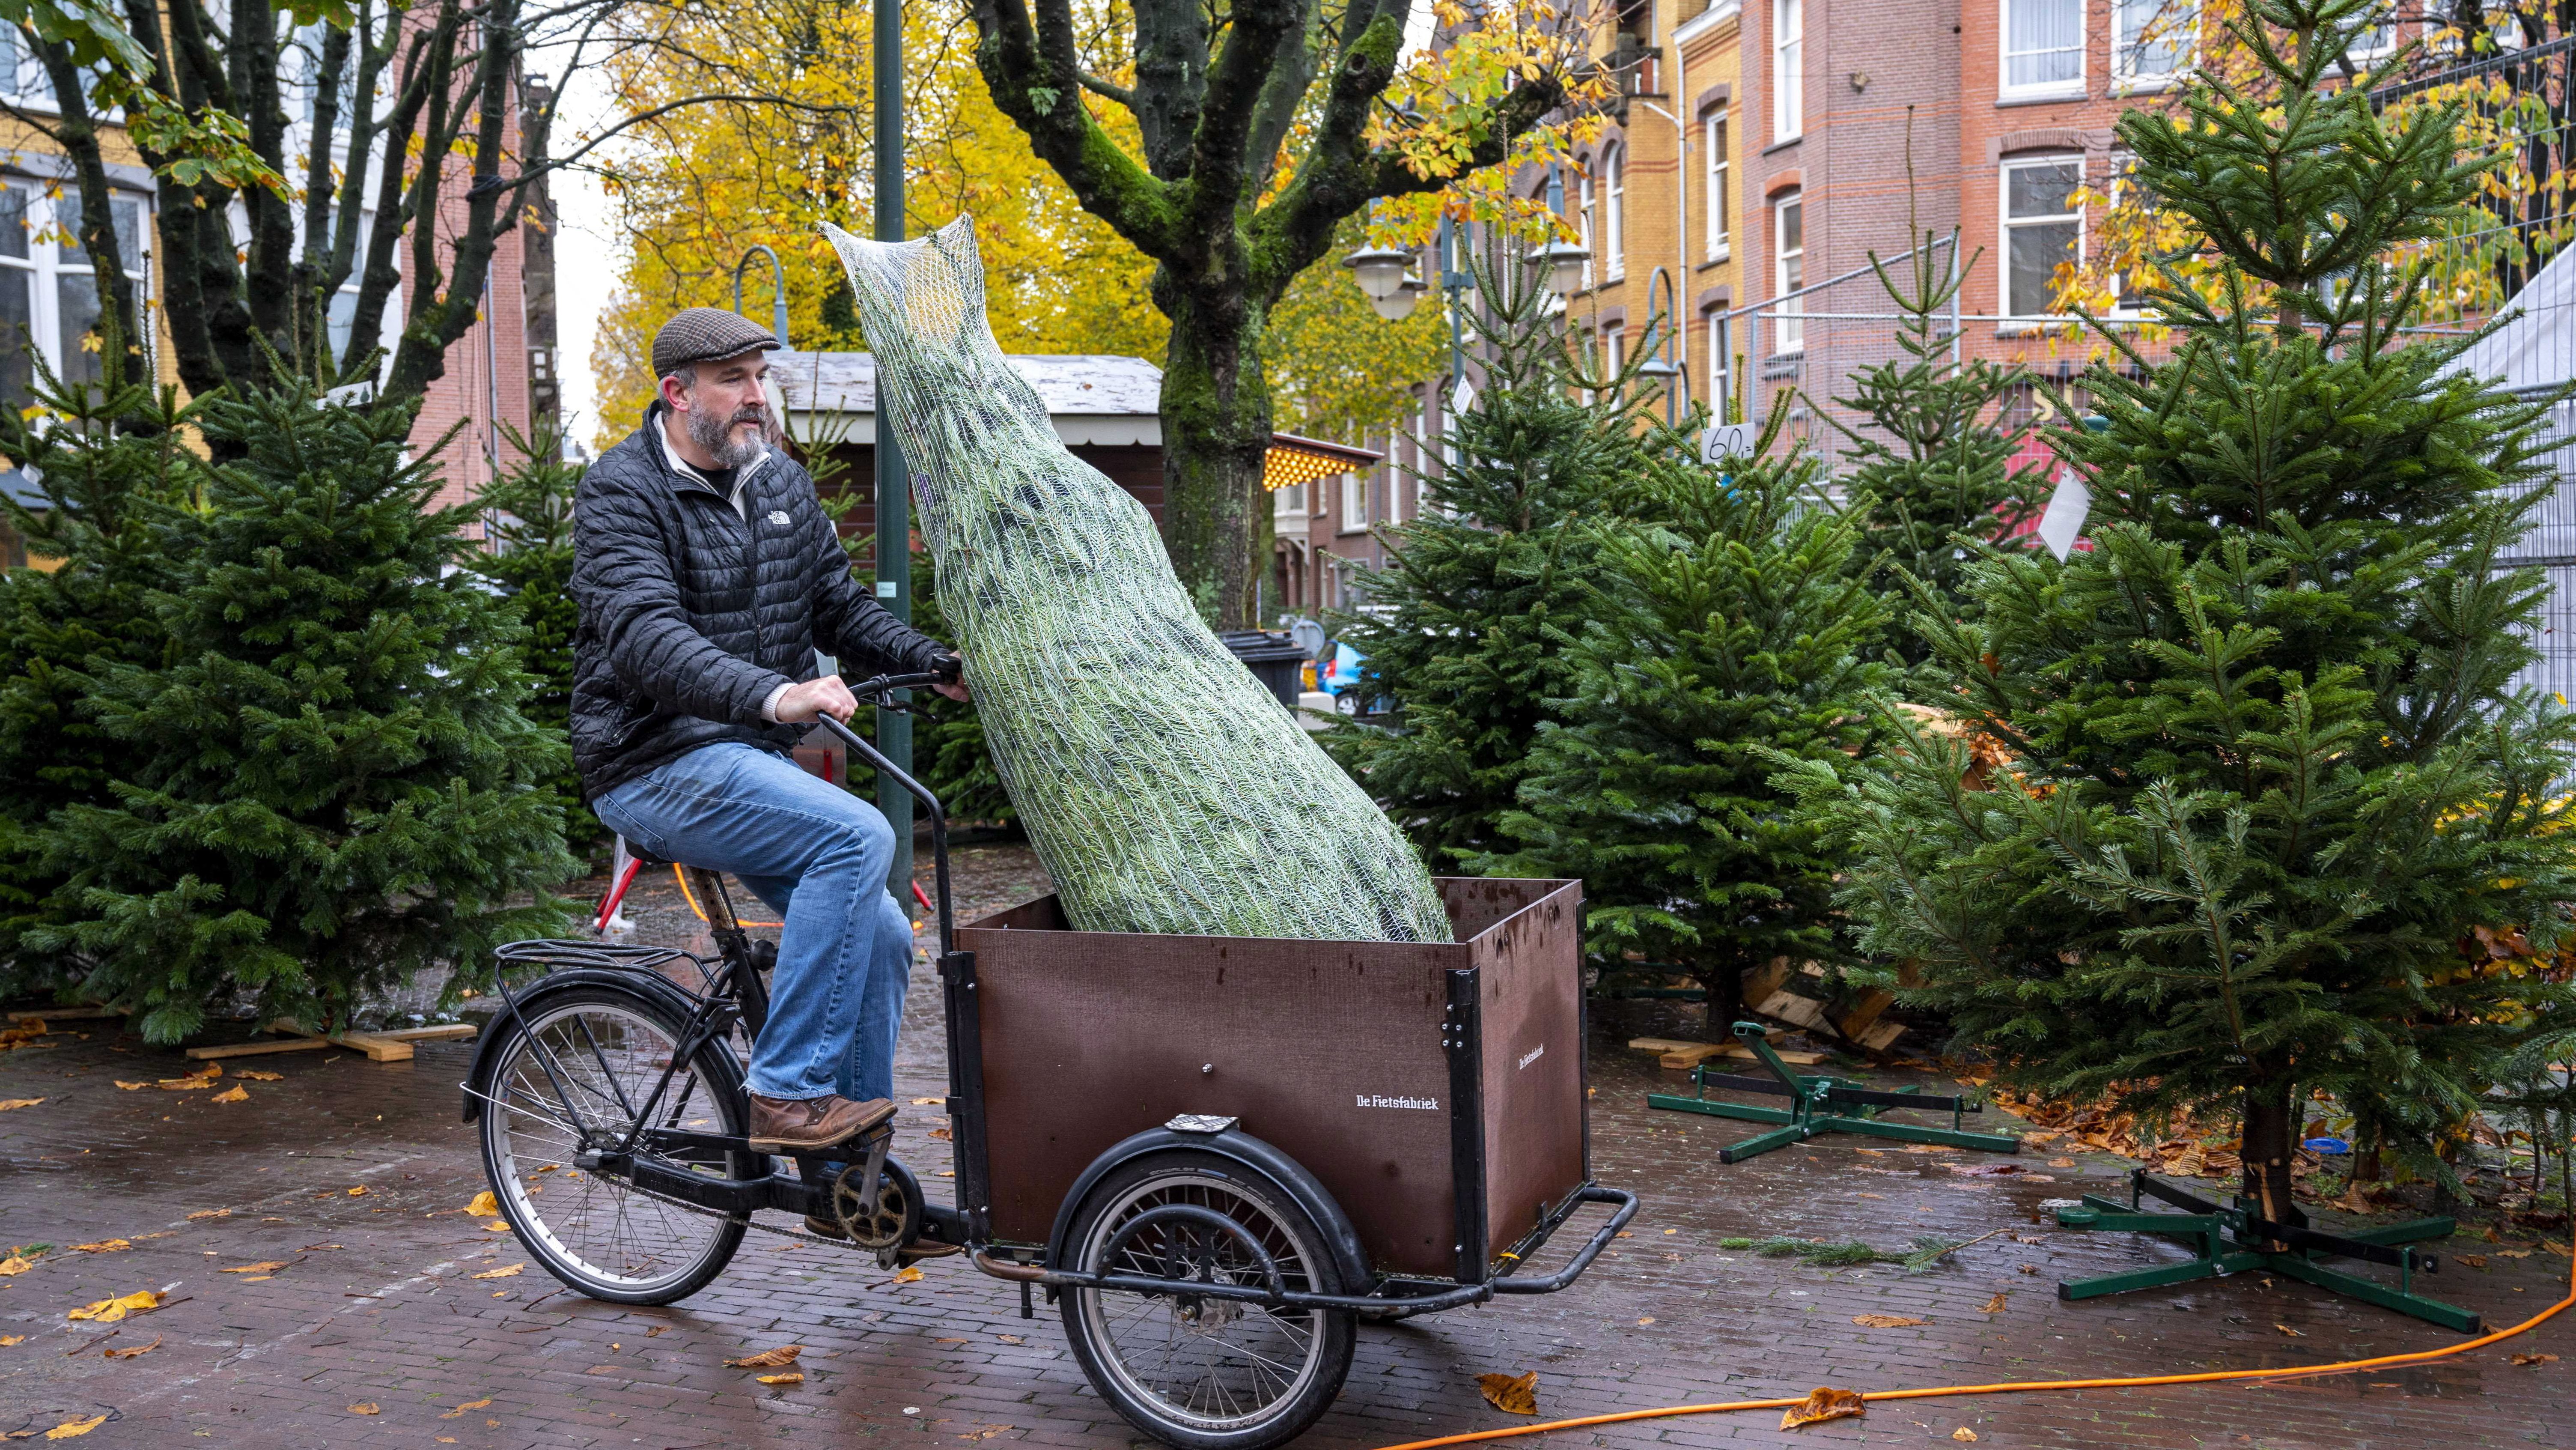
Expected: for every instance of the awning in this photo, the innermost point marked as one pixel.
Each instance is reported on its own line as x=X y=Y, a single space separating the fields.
x=1293 y=460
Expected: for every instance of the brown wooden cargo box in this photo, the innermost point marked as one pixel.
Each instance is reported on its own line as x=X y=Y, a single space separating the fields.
x=1406 y=1077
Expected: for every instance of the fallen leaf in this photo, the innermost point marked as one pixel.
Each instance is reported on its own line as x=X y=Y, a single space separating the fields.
x=497 y=1226
x=657 y=1329
x=1826 y=1403
x=509 y=1272
x=69 y=1428
x=2292 y=1333
x=928 y=1102
x=1886 y=1321
x=1874 y=1195
x=483 y=1206
x=16 y=1265
x=239 y=1094
x=9 y=1104
x=2053 y=1163
x=212 y=1213
x=103 y=1246
x=259 y=1278
x=13 y=1339
x=940 y=1133
x=2532 y=1361
x=1010 y=1339
x=108 y=1311
x=1649 y=1319
x=988 y=1432
x=132 y=1087
x=789 y=1378
x=1509 y=1393
x=132 y=1350
x=2474 y=1261
x=468 y=1405
x=1996 y=1304
x=1964 y=1435
x=784 y=1354
x=365 y=1407
x=948 y=1341
x=358 y=1192
x=908 y=1274
x=269 y=1266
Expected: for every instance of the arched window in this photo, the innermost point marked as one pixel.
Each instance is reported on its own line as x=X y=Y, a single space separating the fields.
x=1587 y=215
x=1614 y=255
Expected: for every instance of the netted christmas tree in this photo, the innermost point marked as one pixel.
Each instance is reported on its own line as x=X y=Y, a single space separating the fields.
x=327 y=784
x=1462 y=637
x=1935 y=461
x=106 y=458
x=2270 y=783
x=1725 y=633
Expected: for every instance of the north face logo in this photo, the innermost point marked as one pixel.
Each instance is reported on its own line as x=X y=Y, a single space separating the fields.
x=778 y=516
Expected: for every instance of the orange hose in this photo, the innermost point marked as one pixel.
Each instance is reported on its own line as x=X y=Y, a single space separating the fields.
x=690 y=897
x=2025 y=1386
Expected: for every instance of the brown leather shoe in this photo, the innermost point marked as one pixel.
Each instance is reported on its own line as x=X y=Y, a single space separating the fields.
x=785 y=1125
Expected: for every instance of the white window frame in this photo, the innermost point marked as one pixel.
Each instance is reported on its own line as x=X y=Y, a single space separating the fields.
x=1586 y=210
x=2006 y=221
x=2166 y=17
x=1716 y=172
x=1355 y=503
x=2115 y=185
x=1721 y=363
x=1614 y=212
x=2386 y=31
x=1788 y=273
x=1788 y=75
x=2071 y=88
x=23 y=82
x=52 y=219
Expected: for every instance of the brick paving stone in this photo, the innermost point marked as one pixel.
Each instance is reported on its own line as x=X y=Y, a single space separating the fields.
x=375 y=1304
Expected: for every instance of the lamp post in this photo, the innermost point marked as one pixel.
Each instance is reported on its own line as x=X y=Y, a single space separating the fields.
x=778 y=270
x=893 y=479
x=1662 y=329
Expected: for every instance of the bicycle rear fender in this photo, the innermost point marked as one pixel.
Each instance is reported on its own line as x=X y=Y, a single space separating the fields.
x=663 y=993
x=1286 y=1176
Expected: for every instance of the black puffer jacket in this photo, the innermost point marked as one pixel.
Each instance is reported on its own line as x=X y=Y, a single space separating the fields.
x=690 y=615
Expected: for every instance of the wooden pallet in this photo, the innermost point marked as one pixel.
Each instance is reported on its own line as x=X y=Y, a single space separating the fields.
x=394 y=1045
x=1674 y=1052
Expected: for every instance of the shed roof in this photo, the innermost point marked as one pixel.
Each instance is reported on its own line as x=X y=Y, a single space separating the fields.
x=1095 y=398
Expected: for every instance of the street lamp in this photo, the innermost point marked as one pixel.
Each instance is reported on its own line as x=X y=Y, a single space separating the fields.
x=778 y=269
x=1381 y=273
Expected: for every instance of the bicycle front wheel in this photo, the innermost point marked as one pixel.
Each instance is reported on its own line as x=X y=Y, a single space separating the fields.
x=579 y=1066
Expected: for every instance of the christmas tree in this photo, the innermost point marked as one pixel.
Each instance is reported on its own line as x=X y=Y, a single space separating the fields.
x=328 y=785
x=1716 y=641
x=2270 y=783
x=105 y=458
x=1935 y=466
x=527 y=513
x=1464 y=636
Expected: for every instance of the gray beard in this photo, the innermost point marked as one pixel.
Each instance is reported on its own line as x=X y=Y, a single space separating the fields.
x=718 y=437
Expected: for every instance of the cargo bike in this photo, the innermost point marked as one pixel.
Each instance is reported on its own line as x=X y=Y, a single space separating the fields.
x=1214 y=1155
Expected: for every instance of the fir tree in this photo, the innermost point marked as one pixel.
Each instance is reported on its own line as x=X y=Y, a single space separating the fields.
x=1464 y=636
x=2269 y=774
x=1713 y=643
x=1935 y=467
x=527 y=512
x=329 y=785
x=105 y=457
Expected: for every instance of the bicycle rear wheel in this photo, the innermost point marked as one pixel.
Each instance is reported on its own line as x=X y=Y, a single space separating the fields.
x=586 y=1059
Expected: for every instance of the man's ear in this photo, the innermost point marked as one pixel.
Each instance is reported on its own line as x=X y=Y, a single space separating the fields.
x=675 y=395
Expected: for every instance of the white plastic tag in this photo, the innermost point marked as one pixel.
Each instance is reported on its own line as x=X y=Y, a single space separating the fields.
x=1725 y=440
x=2063 y=524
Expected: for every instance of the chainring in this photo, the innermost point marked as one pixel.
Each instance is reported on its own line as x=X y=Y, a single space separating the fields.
x=888 y=1219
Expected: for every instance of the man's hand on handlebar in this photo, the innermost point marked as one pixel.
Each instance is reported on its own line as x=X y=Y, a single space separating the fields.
x=802 y=704
x=951 y=670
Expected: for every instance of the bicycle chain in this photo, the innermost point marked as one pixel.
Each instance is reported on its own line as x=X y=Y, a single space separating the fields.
x=748 y=1221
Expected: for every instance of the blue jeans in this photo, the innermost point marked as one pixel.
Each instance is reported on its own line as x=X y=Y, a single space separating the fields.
x=818 y=856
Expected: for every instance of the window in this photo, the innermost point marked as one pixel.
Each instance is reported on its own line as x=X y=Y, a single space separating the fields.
x=1721 y=366
x=2043 y=47
x=1788 y=90
x=1355 y=508
x=1789 y=270
x=2043 y=230
x=1586 y=212
x=1614 y=213
x=2152 y=40
x=1614 y=355
x=49 y=302
x=2378 y=34
x=2130 y=286
x=1713 y=138
x=22 y=76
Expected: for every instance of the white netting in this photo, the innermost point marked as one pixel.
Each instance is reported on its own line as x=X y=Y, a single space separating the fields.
x=1163 y=786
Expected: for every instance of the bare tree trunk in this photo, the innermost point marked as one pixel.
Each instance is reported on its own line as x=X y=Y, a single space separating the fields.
x=2271 y=1120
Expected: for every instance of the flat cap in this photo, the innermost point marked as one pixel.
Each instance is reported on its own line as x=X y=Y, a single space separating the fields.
x=703 y=334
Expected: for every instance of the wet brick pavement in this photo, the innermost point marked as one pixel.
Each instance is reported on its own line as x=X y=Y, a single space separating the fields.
x=376 y=1303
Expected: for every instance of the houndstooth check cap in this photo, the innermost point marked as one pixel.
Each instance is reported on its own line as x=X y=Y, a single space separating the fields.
x=703 y=334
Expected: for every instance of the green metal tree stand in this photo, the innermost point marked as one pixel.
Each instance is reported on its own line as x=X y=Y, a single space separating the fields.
x=1820 y=1105
x=2223 y=1239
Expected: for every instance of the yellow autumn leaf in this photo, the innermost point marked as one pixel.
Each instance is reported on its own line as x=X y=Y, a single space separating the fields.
x=255 y=1075
x=483 y=1206
x=1996 y=1304
x=908 y=1274
x=1964 y=1435
x=497 y=1226
x=778 y=1358
x=510 y=1272
x=13 y=1339
x=70 y=1428
x=211 y=1213
x=132 y=1350
x=16 y=1265
x=239 y=1094
x=1824 y=1403
x=365 y=1407
x=13 y=1104
x=1887 y=1321
x=1513 y=1394
x=358 y=1192
x=461 y=1409
x=790 y=1378
x=103 y=1246
x=268 y=1267
x=132 y=1087
x=108 y=1311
